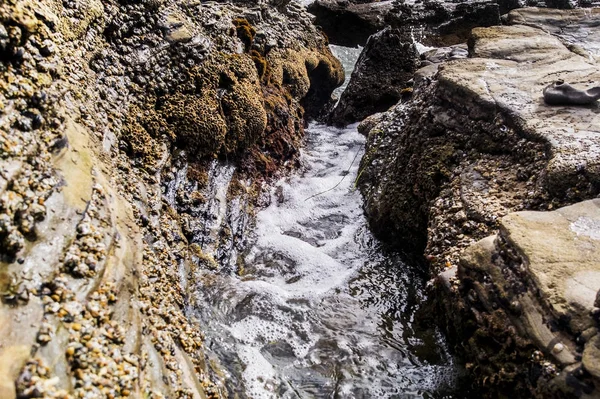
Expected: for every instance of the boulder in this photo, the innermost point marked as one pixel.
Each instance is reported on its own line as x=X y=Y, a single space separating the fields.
x=380 y=77
x=576 y=28
x=477 y=141
x=537 y=279
x=437 y=23
x=350 y=23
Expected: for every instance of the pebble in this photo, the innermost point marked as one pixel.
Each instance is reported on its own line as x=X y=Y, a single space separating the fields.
x=558 y=348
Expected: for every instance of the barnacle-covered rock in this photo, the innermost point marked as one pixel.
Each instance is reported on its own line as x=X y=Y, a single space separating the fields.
x=101 y=102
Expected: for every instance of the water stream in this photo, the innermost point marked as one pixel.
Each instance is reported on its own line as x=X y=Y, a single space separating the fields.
x=320 y=308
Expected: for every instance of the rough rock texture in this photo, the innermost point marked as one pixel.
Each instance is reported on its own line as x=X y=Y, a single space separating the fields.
x=121 y=123
x=430 y=22
x=578 y=29
x=350 y=23
x=476 y=143
x=522 y=303
x=380 y=77
x=384 y=75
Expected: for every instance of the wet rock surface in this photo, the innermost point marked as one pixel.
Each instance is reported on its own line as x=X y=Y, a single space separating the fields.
x=120 y=123
x=382 y=74
x=476 y=143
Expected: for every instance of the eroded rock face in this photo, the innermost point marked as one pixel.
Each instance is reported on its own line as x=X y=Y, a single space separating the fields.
x=381 y=75
x=122 y=124
x=523 y=303
x=477 y=141
x=351 y=23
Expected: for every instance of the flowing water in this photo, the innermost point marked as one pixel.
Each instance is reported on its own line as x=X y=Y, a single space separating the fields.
x=319 y=308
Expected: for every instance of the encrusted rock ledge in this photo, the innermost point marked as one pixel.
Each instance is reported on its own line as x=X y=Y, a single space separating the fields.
x=134 y=140
x=475 y=144
x=524 y=304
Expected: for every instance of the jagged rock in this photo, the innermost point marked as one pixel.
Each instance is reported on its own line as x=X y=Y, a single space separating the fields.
x=538 y=279
x=475 y=144
x=482 y=115
x=381 y=75
x=350 y=23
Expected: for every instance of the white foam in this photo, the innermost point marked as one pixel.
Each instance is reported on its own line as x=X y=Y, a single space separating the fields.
x=259 y=375
x=348 y=57
x=291 y=316
x=316 y=255
x=421 y=48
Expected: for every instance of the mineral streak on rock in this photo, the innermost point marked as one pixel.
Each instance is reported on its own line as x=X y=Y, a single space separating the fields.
x=102 y=104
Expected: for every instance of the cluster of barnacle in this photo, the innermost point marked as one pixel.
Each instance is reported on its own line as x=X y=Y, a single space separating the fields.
x=22 y=205
x=548 y=368
x=88 y=250
x=166 y=322
x=35 y=381
x=57 y=298
x=29 y=125
x=15 y=291
x=95 y=351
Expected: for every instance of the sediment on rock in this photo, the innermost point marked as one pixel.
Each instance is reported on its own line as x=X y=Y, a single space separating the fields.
x=120 y=122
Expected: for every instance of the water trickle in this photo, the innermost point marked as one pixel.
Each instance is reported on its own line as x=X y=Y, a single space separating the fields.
x=320 y=309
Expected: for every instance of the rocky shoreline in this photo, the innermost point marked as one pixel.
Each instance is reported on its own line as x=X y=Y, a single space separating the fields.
x=473 y=145
x=137 y=139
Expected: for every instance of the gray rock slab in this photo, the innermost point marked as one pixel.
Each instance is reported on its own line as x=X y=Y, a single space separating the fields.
x=509 y=68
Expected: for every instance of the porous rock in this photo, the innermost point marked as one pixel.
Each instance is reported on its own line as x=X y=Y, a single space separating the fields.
x=446 y=172
x=118 y=123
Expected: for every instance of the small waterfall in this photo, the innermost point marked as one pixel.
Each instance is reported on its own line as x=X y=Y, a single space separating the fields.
x=315 y=307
